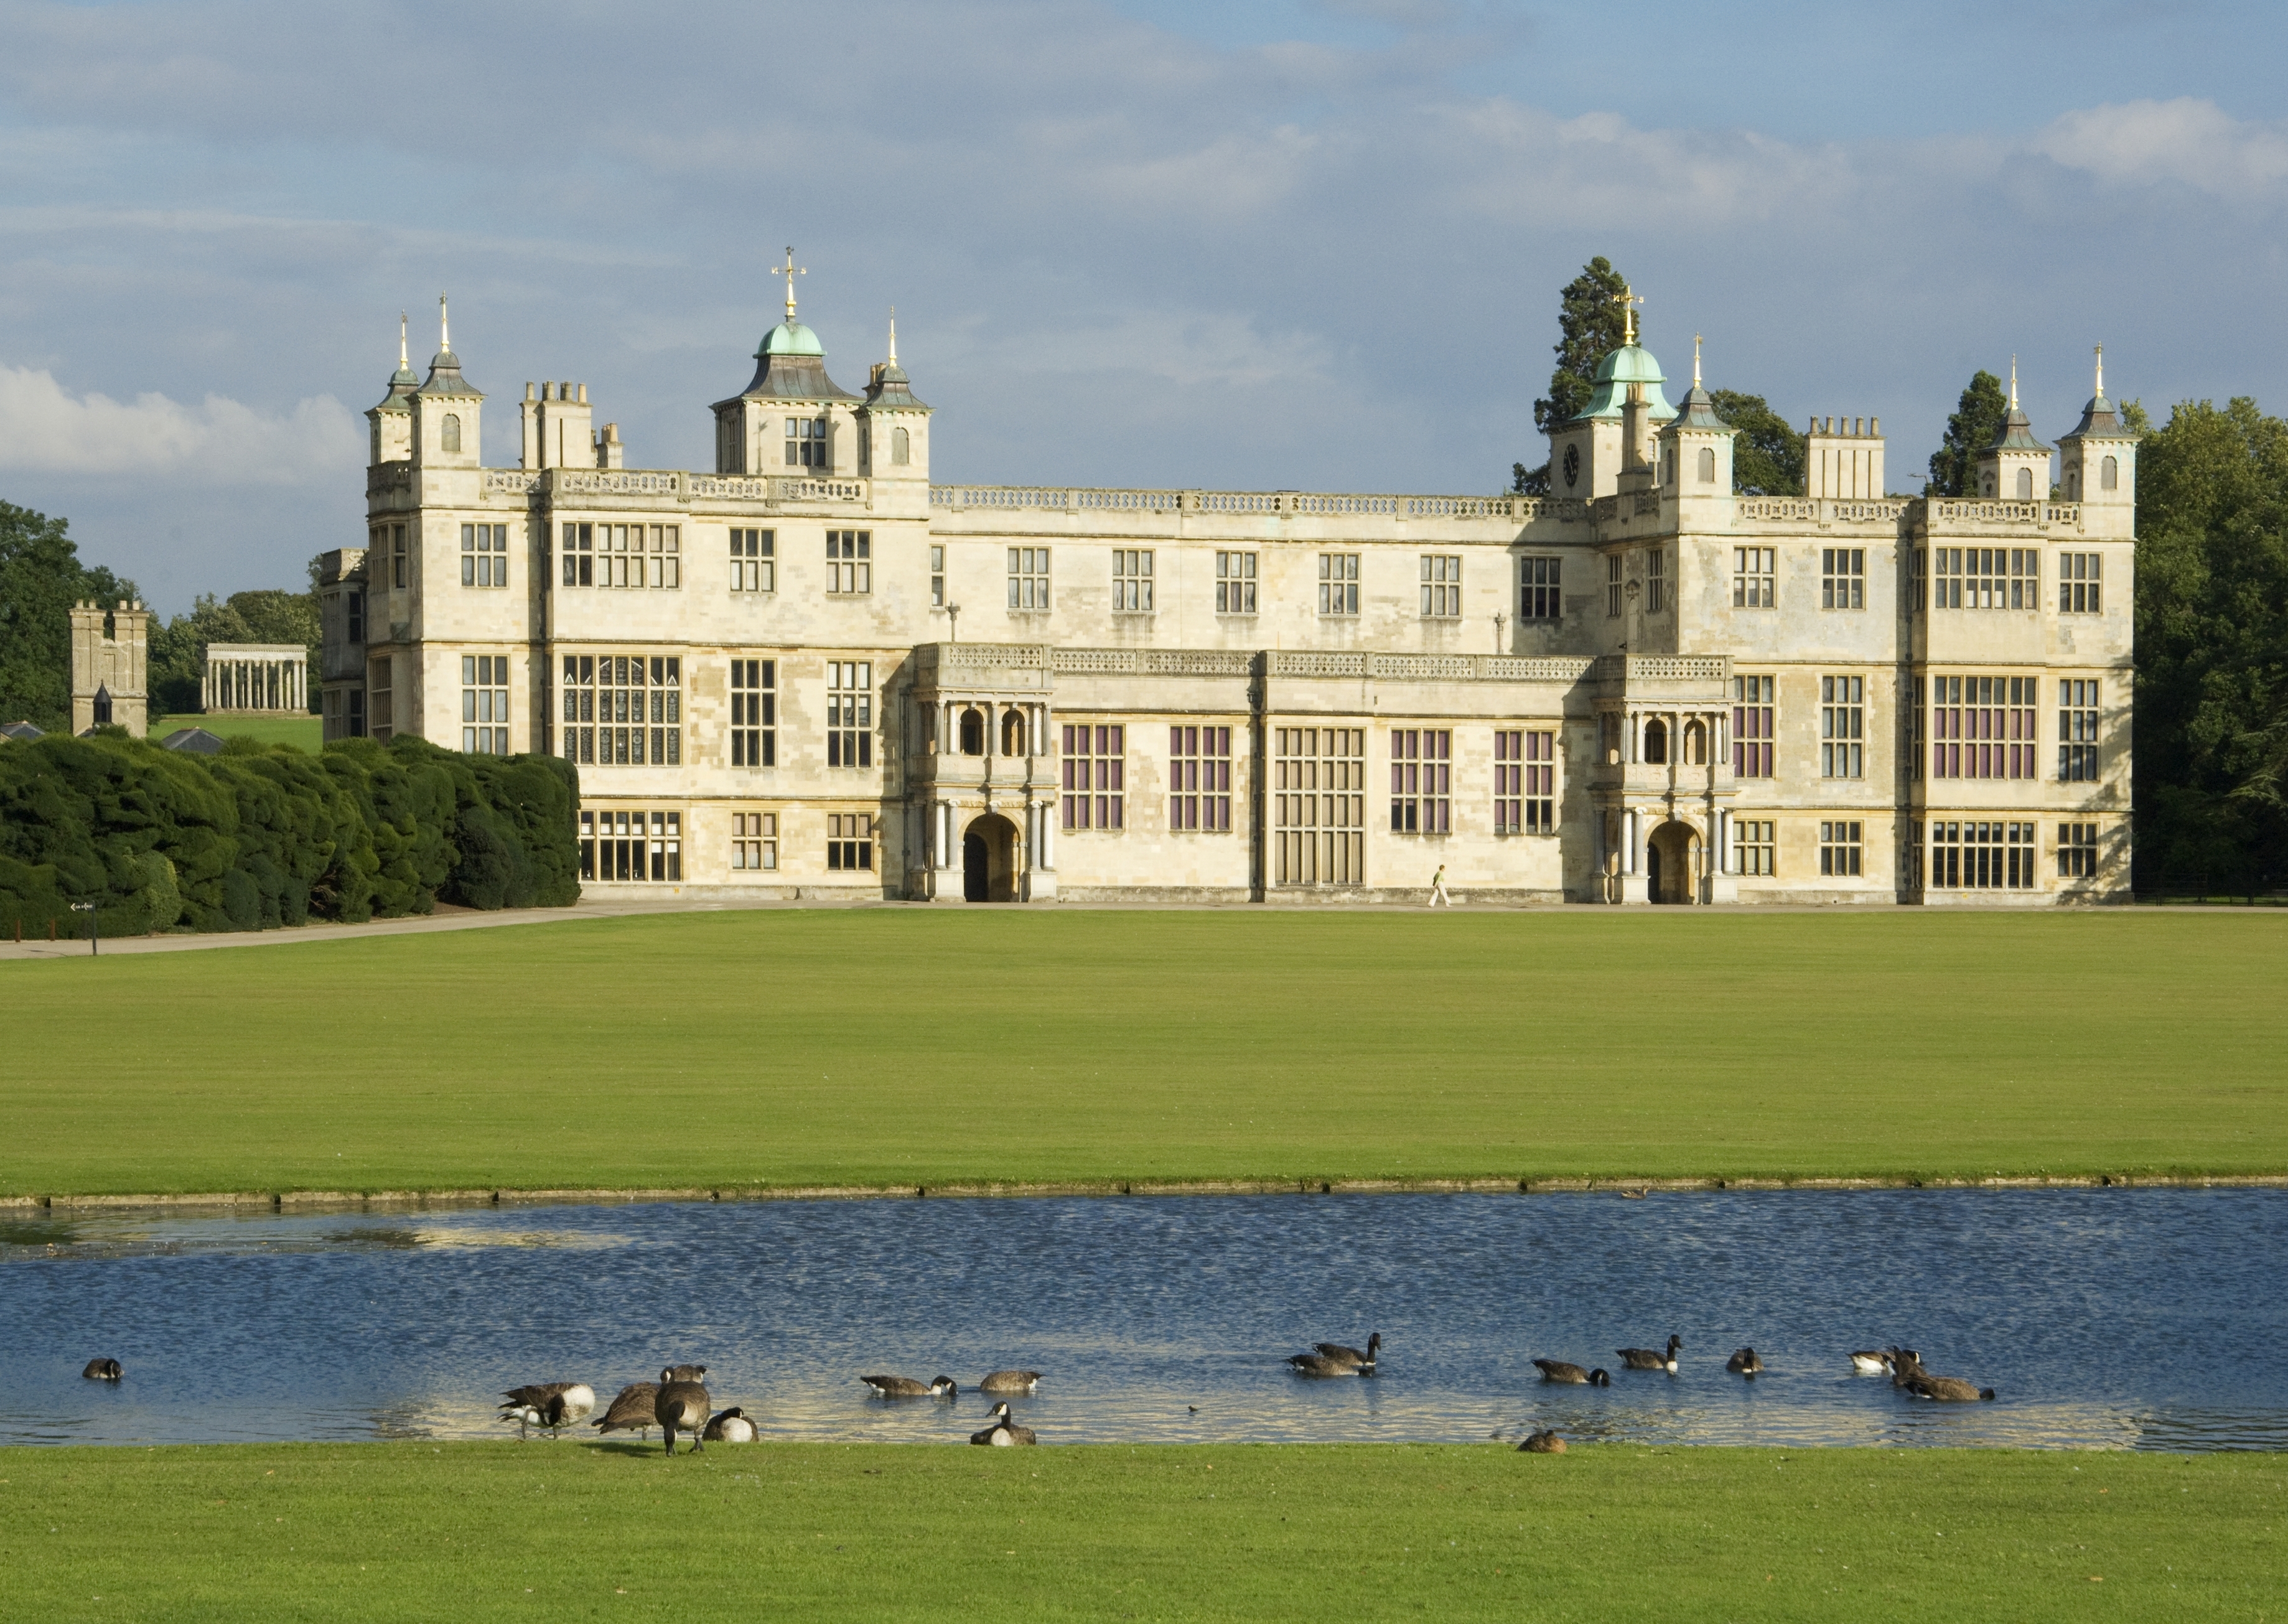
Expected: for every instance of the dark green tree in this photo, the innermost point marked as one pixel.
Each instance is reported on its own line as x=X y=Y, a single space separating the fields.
x=179 y=649
x=1767 y=458
x=41 y=578
x=1976 y=425
x=1590 y=327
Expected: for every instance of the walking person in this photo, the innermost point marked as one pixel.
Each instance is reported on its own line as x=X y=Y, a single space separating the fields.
x=1438 y=889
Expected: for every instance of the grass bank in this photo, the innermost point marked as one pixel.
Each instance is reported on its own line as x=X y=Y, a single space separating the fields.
x=488 y=1531
x=303 y=732
x=908 y=1046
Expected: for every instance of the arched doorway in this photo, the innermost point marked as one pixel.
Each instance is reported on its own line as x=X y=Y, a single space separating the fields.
x=1672 y=859
x=989 y=859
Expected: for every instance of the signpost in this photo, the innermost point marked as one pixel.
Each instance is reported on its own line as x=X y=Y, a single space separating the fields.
x=89 y=910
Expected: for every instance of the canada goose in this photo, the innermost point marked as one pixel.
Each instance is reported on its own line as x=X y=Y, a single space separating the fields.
x=632 y=1411
x=1010 y=1382
x=1871 y=1362
x=680 y=1404
x=685 y=1372
x=1543 y=1443
x=1559 y=1371
x=1317 y=1365
x=102 y=1370
x=1914 y=1378
x=906 y=1387
x=1646 y=1358
x=1744 y=1362
x=579 y=1400
x=1627 y=1195
x=1003 y=1431
x=548 y=1413
x=730 y=1426
x=1352 y=1356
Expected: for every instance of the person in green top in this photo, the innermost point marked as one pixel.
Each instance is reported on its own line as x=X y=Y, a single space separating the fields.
x=1438 y=889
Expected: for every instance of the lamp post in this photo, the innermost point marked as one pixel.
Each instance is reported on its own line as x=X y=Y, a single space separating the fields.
x=89 y=910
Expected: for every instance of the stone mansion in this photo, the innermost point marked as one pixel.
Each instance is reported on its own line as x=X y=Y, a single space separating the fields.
x=815 y=671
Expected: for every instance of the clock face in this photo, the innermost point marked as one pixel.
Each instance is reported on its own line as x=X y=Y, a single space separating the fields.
x=1572 y=466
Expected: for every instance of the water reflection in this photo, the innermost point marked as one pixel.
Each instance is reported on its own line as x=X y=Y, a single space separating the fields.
x=1169 y=1319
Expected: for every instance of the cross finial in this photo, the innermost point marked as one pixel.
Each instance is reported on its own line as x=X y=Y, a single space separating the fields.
x=2100 y=371
x=789 y=270
x=894 y=335
x=2013 y=383
x=1696 y=361
x=444 y=327
x=1628 y=300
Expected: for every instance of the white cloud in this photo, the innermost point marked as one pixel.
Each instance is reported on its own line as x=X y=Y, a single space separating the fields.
x=2188 y=141
x=46 y=429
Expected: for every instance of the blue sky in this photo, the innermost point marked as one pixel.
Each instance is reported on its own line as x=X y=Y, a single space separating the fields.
x=1304 y=243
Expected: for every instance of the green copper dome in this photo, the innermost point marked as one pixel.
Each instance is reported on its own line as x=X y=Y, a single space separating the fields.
x=1631 y=365
x=789 y=339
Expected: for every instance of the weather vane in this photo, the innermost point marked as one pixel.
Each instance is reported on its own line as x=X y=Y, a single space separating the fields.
x=789 y=270
x=1628 y=300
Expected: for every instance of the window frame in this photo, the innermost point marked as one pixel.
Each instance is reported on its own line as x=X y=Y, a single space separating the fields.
x=1539 y=594
x=1235 y=581
x=1339 y=585
x=1754 y=734
x=754 y=730
x=485 y=704
x=1840 y=848
x=849 y=564
x=754 y=842
x=1132 y=581
x=1030 y=580
x=1441 y=586
x=1093 y=777
x=621 y=710
x=754 y=558
x=1421 y=781
x=1199 y=778
x=1843 y=577
x=1755 y=577
x=1842 y=727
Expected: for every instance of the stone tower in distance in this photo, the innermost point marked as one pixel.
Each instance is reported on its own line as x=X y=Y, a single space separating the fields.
x=108 y=649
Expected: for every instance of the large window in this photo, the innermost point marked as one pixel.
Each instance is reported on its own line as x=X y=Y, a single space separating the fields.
x=937 y=575
x=484 y=703
x=1525 y=774
x=1613 y=587
x=484 y=555
x=2077 y=851
x=754 y=563
x=388 y=555
x=1095 y=776
x=1986 y=578
x=849 y=714
x=1656 y=581
x=1441 y=586
x=623 y=556
x=1982 y=856
x=754 y=841
x=1754 y=851
x=1235 y=583
x=1842 y=578
x=2076 y=729
x=1842 y=727
x=1421 y=780
x=623 y=709
x=1752 y=727
x=1839 y=848
x=631 y=845
x=1319 y=805
x=1982 y=727
x=1028 y=578
x=1918 y=591
x=1132 y=581
x=1754 y=577
x=1338 y=583
x=849 y=562
x=754 y=712
x=806 y=444
x=1536 y=589
x=1199 y=779
x=2081 y=582
x=849 y=841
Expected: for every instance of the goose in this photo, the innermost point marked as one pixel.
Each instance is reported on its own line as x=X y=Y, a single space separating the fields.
x=1543 y=1443
x=578 y=1401
x=1871 y=1362
x=730 y=1426
x=1010 y=1382
x=1559 y=1371
x=1317 y=1365
x=548 y=1413
x=101 y=1370
x=680 y=1404
x=906 y=1387
x=1003 y=1431
x=1914 y=1378
x=1647 y=1358
x=685 y=1372
x=1352 y=1356
x=1627 y=1195
x=1744 y=1362
x=632 y=1411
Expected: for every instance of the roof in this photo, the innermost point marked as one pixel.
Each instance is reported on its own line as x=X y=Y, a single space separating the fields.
x=791 y=365
x=198 y=741
x=1700 y=412
x=890 y=387
x=1630 y=366
x=445 y=376
x=2099 y=421
x=2017 y=434
x=789 y=339
x=23 y=730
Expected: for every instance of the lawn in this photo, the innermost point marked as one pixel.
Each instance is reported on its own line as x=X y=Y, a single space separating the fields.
x=303 y=732
x=909 y=1047
x=376 y=1531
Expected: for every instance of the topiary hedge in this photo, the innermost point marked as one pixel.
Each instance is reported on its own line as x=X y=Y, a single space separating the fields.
x=260 y=836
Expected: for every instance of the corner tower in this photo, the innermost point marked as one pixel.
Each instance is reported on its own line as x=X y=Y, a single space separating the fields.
x=2100 y=459
x=892 y=425
x=390 y=422
x=447 y=429
x=1614 y=433
x=2016 y=467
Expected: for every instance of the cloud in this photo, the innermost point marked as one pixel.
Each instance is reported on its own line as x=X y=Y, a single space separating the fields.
x=46 y=429
x=2188 y=141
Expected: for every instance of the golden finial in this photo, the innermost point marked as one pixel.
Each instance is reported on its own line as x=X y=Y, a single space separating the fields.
x=1628 y=300
x=2100 y=371
x=404 y=365
x=894 y=335
x=444 y=327
x=789 y=270
x=2013 y=383
x=1696 y=361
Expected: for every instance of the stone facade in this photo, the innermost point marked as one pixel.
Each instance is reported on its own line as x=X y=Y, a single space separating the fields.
x=811 y=671
x=110 y=666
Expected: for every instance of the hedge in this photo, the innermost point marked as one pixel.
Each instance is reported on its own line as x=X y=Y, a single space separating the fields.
x=258 y=837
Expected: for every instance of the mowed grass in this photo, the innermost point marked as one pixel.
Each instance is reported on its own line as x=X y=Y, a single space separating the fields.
x=303 y=732
x=908 y=1046
x=561 y=1530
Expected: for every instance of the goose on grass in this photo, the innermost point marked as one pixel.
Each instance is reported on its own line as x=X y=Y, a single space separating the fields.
x=730 y=1426
x=632 y=1411
x=1545 y=1442
x=1004 y=1430
x=683 y=1404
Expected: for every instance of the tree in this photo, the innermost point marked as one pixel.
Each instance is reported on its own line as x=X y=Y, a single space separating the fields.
x=178 y=649
x=1767 y=458
x=41 y=578
x=1590 y=327
x=1976 y=424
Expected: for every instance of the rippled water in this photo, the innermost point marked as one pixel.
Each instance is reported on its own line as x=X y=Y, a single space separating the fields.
x=2107 y=1318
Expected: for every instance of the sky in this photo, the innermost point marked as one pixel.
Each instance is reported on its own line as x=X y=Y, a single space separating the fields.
x=1300 y=245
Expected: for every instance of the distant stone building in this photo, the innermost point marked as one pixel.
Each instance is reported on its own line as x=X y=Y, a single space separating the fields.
x=811 y=669
x=255 y=680
x=109 y=652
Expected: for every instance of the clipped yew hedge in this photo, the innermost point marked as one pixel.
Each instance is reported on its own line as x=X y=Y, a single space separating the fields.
x=260 y=835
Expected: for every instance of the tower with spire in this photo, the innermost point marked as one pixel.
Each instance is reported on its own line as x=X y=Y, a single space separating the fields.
x=390 y=421
x=892 y=424
x=792 y=418
x=2016 y=467
x=447 y=428
x=2098 y=461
